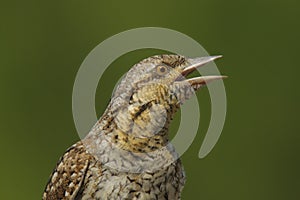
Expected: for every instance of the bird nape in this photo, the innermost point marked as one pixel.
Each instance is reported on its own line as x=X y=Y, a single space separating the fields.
x=127 y=154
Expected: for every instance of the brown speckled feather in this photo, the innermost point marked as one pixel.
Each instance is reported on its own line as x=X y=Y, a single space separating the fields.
x=67 y=179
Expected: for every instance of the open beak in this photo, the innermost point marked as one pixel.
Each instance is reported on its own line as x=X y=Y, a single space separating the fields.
x=197 y=82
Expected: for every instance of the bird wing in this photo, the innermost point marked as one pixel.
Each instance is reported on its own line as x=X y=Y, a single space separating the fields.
x=67 y=179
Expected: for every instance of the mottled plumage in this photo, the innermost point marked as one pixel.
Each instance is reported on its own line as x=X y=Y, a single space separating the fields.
x=127 y=154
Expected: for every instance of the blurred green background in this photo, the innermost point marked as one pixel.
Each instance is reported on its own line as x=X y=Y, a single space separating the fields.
x=43 y=44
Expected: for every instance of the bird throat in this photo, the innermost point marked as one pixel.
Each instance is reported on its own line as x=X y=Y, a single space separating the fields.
x=137 y=127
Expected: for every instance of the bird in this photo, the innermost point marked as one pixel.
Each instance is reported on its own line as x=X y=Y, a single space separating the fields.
x=127 y=154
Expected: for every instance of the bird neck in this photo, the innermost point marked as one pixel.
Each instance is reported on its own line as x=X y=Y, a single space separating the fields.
x=120 y=151
x=135 y=127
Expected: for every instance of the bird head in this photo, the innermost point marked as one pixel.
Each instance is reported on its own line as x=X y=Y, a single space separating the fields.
x=151 y=92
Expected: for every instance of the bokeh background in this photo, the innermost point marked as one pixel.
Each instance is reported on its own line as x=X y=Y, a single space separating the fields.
x=43 y=44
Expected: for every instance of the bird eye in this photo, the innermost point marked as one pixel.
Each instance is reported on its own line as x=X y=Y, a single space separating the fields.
x=161 y=70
